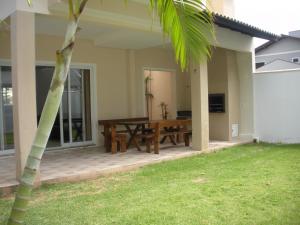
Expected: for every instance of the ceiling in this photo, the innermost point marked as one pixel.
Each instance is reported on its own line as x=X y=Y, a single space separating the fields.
x=105 y=29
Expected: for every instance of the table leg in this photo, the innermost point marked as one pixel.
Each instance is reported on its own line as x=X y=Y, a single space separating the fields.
x=172 y=139
x=179 y=136
x=156 y=137
x=113 y=140
x=133 y=136
x=106 y=138
x=163 y=139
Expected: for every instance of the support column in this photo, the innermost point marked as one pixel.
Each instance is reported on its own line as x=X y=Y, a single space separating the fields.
x=200 y=119
x=23 y=83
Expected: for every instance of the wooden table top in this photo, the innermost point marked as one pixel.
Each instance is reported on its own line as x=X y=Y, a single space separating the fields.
x=134 y=122
x=171 y=121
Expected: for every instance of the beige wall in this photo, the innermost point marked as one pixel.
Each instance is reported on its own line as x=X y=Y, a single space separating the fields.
x=155 y=58
x=183 y=80
x=119 y=88
x=110 y=68
x=233 y=90
x=120 y=82
x=162 y=85
x=218 y=83
x=223 y=77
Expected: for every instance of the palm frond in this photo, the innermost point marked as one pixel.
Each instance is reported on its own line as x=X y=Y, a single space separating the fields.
x=189 y=25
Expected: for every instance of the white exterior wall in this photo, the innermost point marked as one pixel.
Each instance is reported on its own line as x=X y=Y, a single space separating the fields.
x=245 y=69
x=277 y=106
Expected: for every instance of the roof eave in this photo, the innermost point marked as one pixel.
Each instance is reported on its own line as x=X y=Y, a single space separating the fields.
x=235 y=25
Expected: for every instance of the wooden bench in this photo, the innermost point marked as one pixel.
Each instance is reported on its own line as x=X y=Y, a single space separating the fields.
x=186 y=136
x=120 y=139
x=148 y=139
x=119 y=134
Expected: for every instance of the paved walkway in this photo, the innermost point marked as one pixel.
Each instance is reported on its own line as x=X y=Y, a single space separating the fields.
x=86 y=163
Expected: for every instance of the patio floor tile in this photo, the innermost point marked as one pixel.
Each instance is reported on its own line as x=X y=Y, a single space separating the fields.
x=84 y=163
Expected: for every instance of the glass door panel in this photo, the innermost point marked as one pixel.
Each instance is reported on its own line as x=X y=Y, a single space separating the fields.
x=65 y=113
x=6 y=114
x=73 y=123
x=76 y=104
x=43 y=81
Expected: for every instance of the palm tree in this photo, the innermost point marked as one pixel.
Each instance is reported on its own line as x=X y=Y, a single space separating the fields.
x=187 y=23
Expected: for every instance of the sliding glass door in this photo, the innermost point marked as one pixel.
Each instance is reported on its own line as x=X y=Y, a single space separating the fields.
x=6 y=110
x=73 y=123
x=72 y=126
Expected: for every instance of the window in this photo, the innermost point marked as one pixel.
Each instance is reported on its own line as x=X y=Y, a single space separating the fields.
x=295 y=60
x=259 y=64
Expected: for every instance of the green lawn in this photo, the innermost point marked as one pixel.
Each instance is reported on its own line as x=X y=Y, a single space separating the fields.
x=250 y=184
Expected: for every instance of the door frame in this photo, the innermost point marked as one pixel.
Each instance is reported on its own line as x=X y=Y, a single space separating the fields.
x=93 y=92
x=174 y=83
x=93 y=83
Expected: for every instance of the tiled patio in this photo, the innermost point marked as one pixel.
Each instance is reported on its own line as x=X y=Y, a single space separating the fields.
x=87 y=163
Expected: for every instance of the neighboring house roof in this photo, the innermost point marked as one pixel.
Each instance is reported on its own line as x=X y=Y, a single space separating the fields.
x=236 y=25
x=271 y=42
x=278 y=64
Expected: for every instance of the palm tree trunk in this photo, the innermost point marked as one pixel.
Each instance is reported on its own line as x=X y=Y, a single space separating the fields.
x=63 y=59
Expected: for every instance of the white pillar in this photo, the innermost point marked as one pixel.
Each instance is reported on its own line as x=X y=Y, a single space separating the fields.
x=23 y=82
x=200 y=119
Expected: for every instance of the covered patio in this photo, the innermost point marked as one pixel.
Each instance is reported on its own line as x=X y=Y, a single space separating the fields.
x=90 y=162
x=117 y=47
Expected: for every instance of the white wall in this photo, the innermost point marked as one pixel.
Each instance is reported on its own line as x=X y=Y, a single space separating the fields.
x=245 y=69
x=226 y=38
x=277 y=106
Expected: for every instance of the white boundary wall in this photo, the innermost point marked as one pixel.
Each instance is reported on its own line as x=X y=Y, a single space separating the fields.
x=277 y=106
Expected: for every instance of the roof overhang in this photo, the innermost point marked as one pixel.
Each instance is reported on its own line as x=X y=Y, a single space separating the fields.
x=236 y=25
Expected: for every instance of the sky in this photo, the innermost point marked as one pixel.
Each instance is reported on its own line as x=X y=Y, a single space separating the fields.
x=275 y=16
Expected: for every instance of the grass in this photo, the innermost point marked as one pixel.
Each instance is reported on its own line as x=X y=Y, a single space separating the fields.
x=250 y=184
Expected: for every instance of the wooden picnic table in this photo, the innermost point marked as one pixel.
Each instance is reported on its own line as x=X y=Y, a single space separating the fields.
x=166 y=128
x=109 y=126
